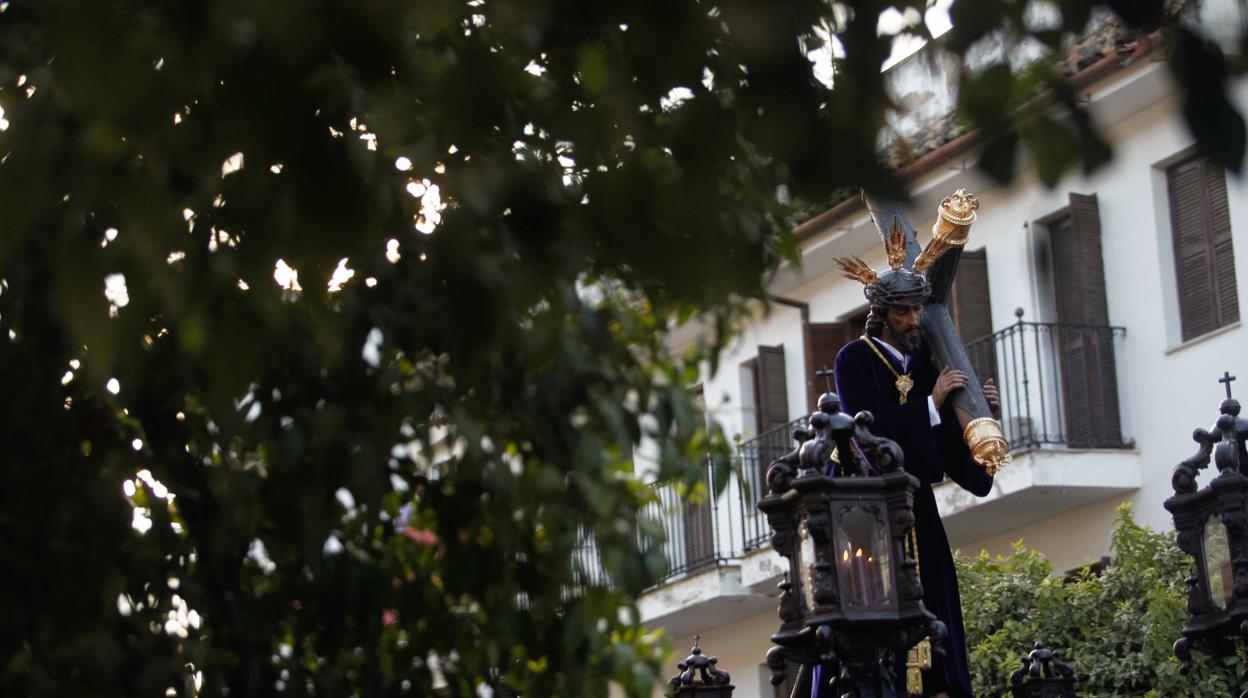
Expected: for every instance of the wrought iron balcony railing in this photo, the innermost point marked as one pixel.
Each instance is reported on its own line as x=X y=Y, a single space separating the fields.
x=1058 y=383
x=716 y=529
x=755 y=455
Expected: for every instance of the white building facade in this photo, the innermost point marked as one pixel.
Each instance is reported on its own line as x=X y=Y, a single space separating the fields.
x=1106 y=308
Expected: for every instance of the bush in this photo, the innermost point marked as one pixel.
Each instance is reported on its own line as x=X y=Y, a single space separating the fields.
x=1115 y=627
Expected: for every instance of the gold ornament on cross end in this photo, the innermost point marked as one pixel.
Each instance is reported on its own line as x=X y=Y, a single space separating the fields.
x=954 y=218
x=986 y=440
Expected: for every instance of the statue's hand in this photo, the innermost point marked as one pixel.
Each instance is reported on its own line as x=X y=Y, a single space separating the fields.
x=949 y=380
x=991 y=395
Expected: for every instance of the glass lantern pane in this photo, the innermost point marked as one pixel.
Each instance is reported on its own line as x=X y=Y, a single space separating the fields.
x=1217 y=562
x=863 y=557
x=806 y=565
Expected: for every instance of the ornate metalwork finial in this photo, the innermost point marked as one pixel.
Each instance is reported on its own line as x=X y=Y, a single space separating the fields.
x=827 y=375
x=1227 y=378
x=1043 y=674
x=782 y=470
x=1230 y=453
x=699 y=676
x=826 y=425
x=1224 y=443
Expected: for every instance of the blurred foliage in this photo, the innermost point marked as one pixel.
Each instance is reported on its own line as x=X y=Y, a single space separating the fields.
x=1115 y=627
x=1031 y=107
x=216 y=484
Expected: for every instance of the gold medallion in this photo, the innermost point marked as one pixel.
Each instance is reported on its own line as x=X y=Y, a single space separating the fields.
x=904 y=384
x=904 y=381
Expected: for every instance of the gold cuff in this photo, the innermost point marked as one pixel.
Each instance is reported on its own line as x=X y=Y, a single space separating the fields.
x=951 y=234
x=987 y=443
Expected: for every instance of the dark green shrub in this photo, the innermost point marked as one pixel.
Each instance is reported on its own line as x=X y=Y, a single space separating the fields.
x=1116 y=627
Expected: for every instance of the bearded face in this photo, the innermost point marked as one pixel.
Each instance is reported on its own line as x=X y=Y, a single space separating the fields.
x=901 y=327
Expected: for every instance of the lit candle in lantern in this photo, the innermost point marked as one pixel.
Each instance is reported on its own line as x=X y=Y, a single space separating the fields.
x=849 y=574
x=863 y=576
x=873 y=591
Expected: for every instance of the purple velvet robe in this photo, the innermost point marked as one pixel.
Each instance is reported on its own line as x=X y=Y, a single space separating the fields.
x=931 y=454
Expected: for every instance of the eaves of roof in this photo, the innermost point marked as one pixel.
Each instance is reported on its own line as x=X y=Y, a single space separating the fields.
x=958 y=143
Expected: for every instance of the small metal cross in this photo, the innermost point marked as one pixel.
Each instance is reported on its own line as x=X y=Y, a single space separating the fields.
x=826 y=374
x=1226 y=379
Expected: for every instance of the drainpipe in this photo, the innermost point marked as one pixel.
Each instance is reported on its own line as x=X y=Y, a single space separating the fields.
x=804 y=308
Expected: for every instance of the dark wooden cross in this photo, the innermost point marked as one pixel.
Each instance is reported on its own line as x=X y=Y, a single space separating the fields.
x=1226 y=379
x=937 y=324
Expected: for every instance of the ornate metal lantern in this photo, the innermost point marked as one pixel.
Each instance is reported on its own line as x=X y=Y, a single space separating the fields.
x=1211 y=525
x=698 y=676
x=841 y=511
x=1043 y=675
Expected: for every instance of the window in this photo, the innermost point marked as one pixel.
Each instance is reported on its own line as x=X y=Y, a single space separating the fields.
x=1204 y=262
x=764 y=378
x=696 y=517
x=771 y=394
x=970 y=307
x=825 y=341
x=1084 y=352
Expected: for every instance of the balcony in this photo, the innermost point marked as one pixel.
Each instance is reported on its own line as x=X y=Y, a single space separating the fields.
x=1058 y=383
x=713 y=532
x=721 y=566
x=1060 y=412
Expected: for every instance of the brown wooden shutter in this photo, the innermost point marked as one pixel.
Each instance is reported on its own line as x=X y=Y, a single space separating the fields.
x=1192 y=257
x=1203 y=256
x=1079 y=269
x=826 y=340
x=970 y=305
x=1084 y=343
x=699 y=528
x=771 y=396
x=1223 y=253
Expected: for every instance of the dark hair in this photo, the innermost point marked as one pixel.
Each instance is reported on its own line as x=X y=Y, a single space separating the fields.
x=875 y=320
